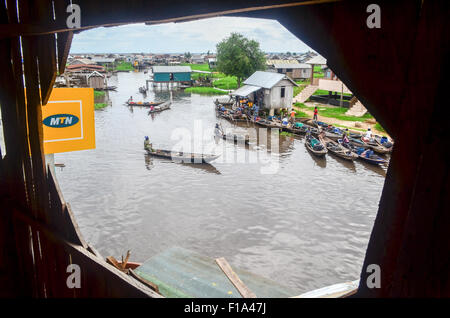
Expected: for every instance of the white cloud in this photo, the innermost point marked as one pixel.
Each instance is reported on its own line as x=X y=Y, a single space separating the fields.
x=194 y=36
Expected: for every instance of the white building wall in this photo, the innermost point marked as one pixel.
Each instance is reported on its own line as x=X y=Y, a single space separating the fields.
x=334 y=86
x=273 y=100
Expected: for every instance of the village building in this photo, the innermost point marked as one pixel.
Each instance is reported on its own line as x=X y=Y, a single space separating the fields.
x=197 y=59
x=96 y=80
x=83 y=61
x=212 y=62
x=104 y=61
x=84 y=68
x=171 y=73
x=338 y=92
x=168 y=75
x=268 y=90
x=295 y=71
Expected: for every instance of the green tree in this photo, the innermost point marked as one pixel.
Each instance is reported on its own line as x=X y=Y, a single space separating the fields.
x=239 y=56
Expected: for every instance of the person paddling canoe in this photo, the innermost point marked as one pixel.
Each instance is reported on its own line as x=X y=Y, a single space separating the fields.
x=147 y=144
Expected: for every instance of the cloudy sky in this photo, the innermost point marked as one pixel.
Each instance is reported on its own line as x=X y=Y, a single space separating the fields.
x=195 y=36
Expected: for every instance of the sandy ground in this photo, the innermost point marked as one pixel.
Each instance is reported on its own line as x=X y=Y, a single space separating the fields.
x=330 y=120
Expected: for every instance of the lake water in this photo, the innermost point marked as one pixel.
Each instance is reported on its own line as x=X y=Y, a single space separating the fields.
x=288 y=216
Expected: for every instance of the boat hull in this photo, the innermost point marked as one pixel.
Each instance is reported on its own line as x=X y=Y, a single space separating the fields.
x=182 y=157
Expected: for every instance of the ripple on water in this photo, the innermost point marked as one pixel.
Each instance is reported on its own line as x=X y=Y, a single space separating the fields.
x=305 y=226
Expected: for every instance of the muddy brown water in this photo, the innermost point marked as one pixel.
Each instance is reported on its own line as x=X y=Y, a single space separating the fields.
x=299 y=220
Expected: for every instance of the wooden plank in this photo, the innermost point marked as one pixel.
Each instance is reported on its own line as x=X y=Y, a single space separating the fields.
x=22 y=138
x=46 y=50
x=118 y=283
x=111 y=260
x=73 y=233
x=94 y=251
x=143 y=280
x=47 y=65
x=234 y=278
x=142 y=12
x=11 y=126
x=64 y=40
x=35 y=130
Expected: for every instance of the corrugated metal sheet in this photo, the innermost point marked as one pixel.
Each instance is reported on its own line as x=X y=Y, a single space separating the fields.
x=171 y=69
x=319 y=60
x=245 y=90
x=298 y=65
x=183 y=273
x=266 y=79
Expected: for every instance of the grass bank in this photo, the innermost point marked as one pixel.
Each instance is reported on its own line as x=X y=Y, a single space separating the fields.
x=379 y=128
x=227 y=82
x=339 y=113
x=99 y=93
x=300 y=87
x=100 y=105
x=324 y=92
x=124 y=66
x=198 y=67
x=205 y=91
x=318 y=73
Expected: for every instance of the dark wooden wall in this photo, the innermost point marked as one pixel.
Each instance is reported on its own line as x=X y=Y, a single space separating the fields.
x=397 y=71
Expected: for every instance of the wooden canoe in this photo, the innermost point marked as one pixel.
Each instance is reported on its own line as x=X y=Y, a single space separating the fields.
x=268 y=123
x=236 y=138
x=182 y=157
x=375 y=146
x=317 y=152
x=339 y=151
x=144 y=104
x=160 y=108
x=373 y=159
x=390 y=143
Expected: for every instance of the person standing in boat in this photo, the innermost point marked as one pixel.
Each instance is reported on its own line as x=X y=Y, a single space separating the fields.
x=147 y=144
x=368 y=135
x=316 y=112
x=293 y=113
x=345 y=135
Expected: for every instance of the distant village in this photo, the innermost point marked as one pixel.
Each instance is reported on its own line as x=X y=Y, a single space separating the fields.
x=92 y=70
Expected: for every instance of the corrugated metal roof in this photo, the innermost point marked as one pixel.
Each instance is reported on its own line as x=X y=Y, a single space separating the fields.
x=245 y=90
x=319 y=59
x=292 y=65
x=280 y=61
x=266 y=79
x=171 y=69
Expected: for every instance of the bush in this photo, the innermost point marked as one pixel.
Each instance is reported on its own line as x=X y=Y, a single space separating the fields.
x=204 y=91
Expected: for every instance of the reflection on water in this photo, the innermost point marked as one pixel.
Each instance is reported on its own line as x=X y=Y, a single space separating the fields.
x=305 y=223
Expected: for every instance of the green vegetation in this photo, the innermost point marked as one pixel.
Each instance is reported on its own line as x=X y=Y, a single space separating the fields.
x=204 y=91
x=339 y=113
x=124 y=66
x=285 y=133
x=198 y=67
x=239 y=56
x=324 y=92
x=301 y=85
x=99 y=93
x=299 y=113
x=227 y=82
x=334 y=112
x=318 y=73
x=100 y=105
x=350 y=128
x=379 y=128
x=300 y=105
